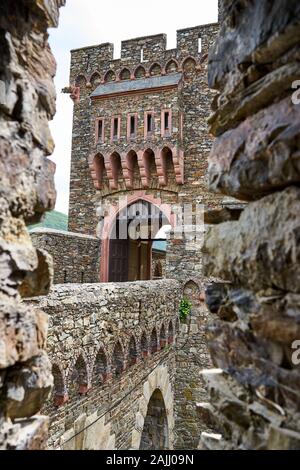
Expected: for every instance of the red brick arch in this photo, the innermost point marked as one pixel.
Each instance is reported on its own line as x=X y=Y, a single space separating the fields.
x=110 y=220
x=144 y=345
x=154 y=339
x=123 y=72
x=60 y=395
x=172 y=61
x=97 y=169
x=110 y=73
x=188 y=59
x=139 y=67
x=101 y=366
x=132 y=351
x=118 y=359
x=81 y=77
x=170 y=332
x=94 y=76
x=162 y=336
x=156 y=64
x=79 y=372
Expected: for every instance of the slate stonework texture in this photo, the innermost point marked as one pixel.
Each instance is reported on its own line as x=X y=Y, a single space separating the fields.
x=27 y=102
x=75 y=256
x=255 y=391
x=111 y=345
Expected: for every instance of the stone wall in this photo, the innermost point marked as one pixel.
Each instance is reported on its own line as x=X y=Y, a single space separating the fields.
x=185 y=264
x=111 y=346
x=27 y=102
x=75 y=256
x=254 y=337
x=192 y=357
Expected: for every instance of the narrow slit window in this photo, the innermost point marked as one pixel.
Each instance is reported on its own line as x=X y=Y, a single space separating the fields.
x=132 y=126
x=199 y=45
x=100 y=130
x=181 y=126
x=115 y=128
x=142 y=55
x=150 y=123
x=167 y=121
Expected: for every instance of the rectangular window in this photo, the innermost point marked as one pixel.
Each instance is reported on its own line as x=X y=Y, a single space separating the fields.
x=131 y=126
x=150 y=125
x=99 y=131
x=115 y=132
x=116 y=127
x=166 y=122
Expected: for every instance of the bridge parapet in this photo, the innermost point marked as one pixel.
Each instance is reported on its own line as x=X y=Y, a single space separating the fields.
x=104 y=342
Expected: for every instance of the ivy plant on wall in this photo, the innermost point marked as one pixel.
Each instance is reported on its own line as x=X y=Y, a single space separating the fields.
x=184 y=309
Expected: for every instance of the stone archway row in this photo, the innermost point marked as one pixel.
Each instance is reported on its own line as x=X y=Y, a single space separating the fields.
x=109 y=362
x=173 y=65
x=147 y=163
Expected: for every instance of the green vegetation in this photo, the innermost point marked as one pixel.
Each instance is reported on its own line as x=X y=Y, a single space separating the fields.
x=54 y=219
x=184 y=309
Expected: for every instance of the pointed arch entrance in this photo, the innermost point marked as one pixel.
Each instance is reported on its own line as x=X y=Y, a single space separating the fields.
x=155 y=432
x=127 y=246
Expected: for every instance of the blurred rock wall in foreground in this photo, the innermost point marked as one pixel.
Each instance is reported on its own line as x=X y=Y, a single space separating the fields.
x=27 y=103
x=255 y=399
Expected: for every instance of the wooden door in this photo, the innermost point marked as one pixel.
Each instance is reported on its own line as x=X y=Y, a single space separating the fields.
x=118 y=261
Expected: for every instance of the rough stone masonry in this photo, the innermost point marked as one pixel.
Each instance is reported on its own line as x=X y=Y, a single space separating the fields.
x=27 y=102
x=111 y=347
x=256 y=120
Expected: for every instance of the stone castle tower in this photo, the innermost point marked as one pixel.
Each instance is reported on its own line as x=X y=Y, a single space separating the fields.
x=135 y=135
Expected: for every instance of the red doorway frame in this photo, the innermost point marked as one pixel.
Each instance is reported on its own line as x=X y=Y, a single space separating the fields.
x=110 y=220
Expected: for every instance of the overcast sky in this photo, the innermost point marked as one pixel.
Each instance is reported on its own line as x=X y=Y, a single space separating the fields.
x=89 y=22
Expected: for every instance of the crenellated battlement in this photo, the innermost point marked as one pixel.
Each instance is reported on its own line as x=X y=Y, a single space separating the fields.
x=97 y=62
x=146 y=48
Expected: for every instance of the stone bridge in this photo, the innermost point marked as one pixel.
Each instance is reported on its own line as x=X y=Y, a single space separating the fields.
x=112 y=348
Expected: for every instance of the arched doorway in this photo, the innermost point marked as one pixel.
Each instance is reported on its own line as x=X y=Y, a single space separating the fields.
x=155 y=434
x=130 y=243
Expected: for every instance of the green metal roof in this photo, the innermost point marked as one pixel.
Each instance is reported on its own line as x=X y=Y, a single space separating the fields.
x=159 y=245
